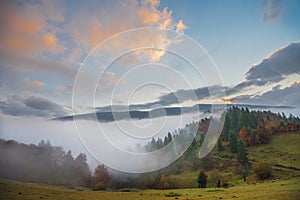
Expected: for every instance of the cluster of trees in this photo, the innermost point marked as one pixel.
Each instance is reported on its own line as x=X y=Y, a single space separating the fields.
x=42 y=163
x=159 y=143
x=254 y=127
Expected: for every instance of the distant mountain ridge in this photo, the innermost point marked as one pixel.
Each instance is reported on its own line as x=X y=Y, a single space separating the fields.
x=109 y=116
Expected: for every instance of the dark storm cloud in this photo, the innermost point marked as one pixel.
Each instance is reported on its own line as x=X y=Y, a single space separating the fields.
x=31 y=106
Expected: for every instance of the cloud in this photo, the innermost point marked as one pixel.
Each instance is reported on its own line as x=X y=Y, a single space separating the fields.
x=180 y=27
x=296 y=83
x=89 y=28
x=13 y=82
x=66 y=88
x=23 y=32
x=179 y=97
x=31 y=106
x=24 y=63
x=45 y=38
x=281 y=63
x=287 y=96
x=272 y=10
x=281 y=68
x=27 y=38
x=38 y=83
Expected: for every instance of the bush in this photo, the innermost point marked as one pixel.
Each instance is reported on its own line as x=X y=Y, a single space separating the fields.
x=262 y=170
x=225 y=183
x=172 y=194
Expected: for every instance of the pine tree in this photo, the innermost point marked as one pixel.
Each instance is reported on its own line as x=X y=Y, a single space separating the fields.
x=233 y=141
x=202 y=179
x=153 y=144
x=235 y=119
x=220 y=145
x=226 y=127
x=169 y=137
x=166 y=141
x=243 y=159
x=243 y=121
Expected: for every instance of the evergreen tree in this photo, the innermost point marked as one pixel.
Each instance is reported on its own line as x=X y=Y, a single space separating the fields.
x=81 y=169
x=233 y=141
x=220 y=145
x=153 y=144
x=159 y=143
x=166 y=141
x=169 y=137
x=235 y=119
x=243 y=121
x=202 y=179
x=242 y=158
x=226 y=127
x=201 y=139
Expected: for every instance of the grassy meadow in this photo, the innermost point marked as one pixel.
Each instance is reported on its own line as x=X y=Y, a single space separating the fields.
x=279 y=189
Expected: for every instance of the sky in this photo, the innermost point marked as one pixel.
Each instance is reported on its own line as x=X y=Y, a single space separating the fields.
x=59 y=58
x=251 y=49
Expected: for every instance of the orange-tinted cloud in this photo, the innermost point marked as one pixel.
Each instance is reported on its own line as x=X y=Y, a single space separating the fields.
x=30 y=84
x=148 y=17
x=94 y=28
x=180 y=26
x=38 y=84
x=275 y=52
x=227 y=101
x=296 y=83
x=50 y=42
x=22 y=30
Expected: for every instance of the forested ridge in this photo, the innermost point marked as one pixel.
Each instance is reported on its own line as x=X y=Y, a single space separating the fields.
x=45 y=163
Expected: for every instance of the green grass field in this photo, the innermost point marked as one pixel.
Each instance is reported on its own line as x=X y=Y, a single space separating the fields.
x=283 y=149
x=282 y=189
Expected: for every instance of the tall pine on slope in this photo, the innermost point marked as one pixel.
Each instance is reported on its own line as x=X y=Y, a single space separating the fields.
x=242 y=158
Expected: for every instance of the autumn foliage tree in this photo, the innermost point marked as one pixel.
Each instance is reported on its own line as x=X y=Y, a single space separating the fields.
x=216 y=178
x=262 y=170
x=243 y=135
x=101 y=178
x=164 y=183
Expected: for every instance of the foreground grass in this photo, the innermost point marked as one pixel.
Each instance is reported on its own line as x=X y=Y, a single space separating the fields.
x=279 y=189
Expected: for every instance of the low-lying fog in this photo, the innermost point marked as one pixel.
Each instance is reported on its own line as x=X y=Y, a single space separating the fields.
x=123 y=134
